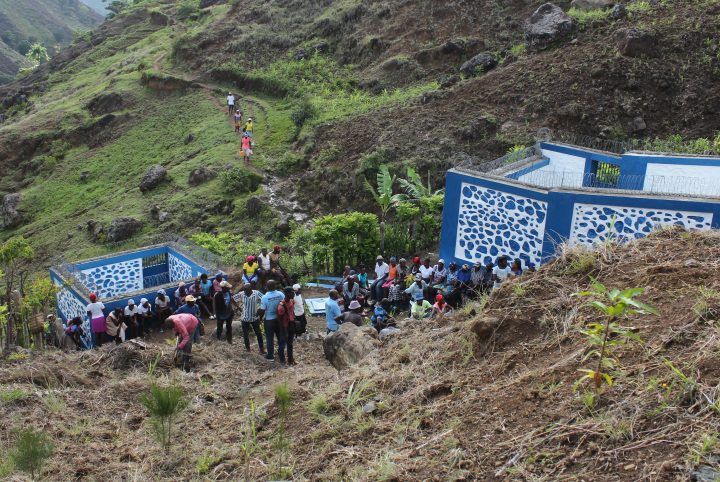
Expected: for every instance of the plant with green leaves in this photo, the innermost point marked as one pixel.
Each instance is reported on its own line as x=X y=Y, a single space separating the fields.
x=15 y=256
x=249 y=445
x=283 y=399
x=343 y=239
x=604 y=337
x=164 y=404
x=384 y=197
x=31 y=450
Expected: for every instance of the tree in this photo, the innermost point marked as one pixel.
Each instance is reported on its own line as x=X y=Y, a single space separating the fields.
x=164 y=404
x=37 y=54
x=423 y=196
x=31 y=450
x=384 y=198
x=15 y=253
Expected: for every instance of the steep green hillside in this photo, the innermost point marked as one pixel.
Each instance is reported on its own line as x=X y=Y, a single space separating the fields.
x=50 y=22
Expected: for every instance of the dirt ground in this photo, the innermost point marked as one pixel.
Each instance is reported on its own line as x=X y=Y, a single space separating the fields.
x=488 y=393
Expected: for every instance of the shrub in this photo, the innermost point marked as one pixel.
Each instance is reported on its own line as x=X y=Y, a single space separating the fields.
x=518 y=50
x=164 y=403
x=304 y=112
x=187 y=8
x=345 y=239
x=31 y=450
x=239 y=181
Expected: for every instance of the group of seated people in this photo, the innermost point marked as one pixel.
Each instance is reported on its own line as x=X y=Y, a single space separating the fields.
x=421 y=288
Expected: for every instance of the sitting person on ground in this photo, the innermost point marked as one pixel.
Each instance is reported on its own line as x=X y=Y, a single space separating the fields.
x=286 y=317
x=74 y=332
x=300 y=318
x=516 y=268
x=454 y=293
x=362 y=280
x=247 y=147
x=488 y=278
x=145 y=317
x=381 y=317
x=426 y=271
x=381 y=273
x=350 y=290
x=419 y=286
x=347 y=272
x=391 y=276
x=264 y=271
x=180 y=293
x=250 y=268
x=396 y=296
x=332 y=311
x=184 y=325
x=277 y=268
x=162 y=308
x=249 y=301
x=131 y=320
x=440 y=308
x=420 y=307
x=402 y=270
x=452 y=273
x=191 y=308
x=353 y=315
x=439 y=277
x=464 y=278
x=95 y=311
x=114 y=326
x=476 y=278
x=501 y=272
x=223 y=304
x=414 y=271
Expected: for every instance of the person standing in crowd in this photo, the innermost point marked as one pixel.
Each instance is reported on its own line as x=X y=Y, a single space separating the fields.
x=247 y=147
x=501 y=272
x=223 y=308
x=114 y=326
x=162 y=308
x=300 y=318
x=95 y=311
x=250 y=268
x=145 y=317
x=332 y=311
x=184 y=324
x=238 y=120
x=131 y=319
x=250 y=300
x=268 y=308
x=286 y=325
x=206 y=292
x=230 y=103
x=381 y=273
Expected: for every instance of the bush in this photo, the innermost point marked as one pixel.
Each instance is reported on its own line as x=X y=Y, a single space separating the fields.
x=345 y=239
x=31 y=450
x=187 y=8
x=304 y=112
x=370 y=163
x=239 y=181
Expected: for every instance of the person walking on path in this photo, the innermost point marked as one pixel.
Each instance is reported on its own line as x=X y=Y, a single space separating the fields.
x=238 y=120
x=268 y=308
x=184 y=324
x=97 y=320
x=250 y=300
x=231 y=103
x=223 y=307
x=286 y=315
x=249 y=128
x=247 y=148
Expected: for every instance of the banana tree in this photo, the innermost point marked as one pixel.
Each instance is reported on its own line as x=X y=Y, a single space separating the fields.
x=385 y=199
x=420 y=194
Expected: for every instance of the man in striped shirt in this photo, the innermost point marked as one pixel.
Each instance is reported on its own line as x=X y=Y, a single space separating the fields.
x=249 y=300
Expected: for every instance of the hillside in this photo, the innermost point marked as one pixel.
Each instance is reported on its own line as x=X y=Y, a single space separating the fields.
x=489 y=393
x=50 y=22
x=97 y=5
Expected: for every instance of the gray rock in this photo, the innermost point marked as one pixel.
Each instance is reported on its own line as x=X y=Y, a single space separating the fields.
x=200 y=175
x=547 y=25
x=369 y=407
x=704 y=473
x=11 y=217
x=479 y=64
x=84 y=176
x=208 y=3
x=637 y=125
x=283 y=226
x=592 y=4
x=619 y=12
x=153 y=178
x=95 y=228
x=158 y=18
x=122 y=228
x=349 y=345
x=633 y=42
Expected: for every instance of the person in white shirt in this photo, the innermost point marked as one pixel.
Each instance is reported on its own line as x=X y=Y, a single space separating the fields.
x=501 y=272
x=299 y=310
x=382 y=269
x=131 y=319
x=231 y=103
x=264 y=260
x=145 y=317
x=426 y=271
x=97 y=320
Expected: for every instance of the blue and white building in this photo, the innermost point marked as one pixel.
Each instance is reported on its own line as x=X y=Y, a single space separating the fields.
x=560 y=193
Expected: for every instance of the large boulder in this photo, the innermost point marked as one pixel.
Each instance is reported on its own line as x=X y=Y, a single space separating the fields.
x=159 y=18
x=349 y=345
x=11 y=216
x=122 y=228
x=105 y=104
x=152 y=178
x=592 y=4
x=200 y=175
x=547 y=25
x=479 y=64
x=633 y=42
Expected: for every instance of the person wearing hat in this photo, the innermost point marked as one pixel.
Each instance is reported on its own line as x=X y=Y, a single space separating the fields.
x=190 y=307
x=131 y=319
x=300 y=318
x=415 y=268
x=249 y=301
x=381 y=273
x=249 y=128
x=353 y=315
x=145 y=317
x=95 y=311
x=452 y=273
x=464 y=277
x=223 y=307
x=418 y=286
x=439 y=278
x=162 y=308
x=420 y=307
x=250 y=267
x=247 y=147
x=230 y=103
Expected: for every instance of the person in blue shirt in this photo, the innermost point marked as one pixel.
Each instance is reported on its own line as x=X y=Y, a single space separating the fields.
x=332 y=310
x=192 y=309
x=381 y=314
x=268 y=308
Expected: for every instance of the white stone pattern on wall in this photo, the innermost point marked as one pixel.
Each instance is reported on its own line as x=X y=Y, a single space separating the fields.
x=492 y=223
x=179 y=269
x=70 y=306
x=114 y=279
x=591 y=222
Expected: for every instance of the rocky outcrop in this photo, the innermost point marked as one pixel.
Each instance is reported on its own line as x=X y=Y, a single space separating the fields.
x=95 y=229
x=159 y=18
x=11 y=217
x=200 y=175
x=153 y=178
x=479 y=64
x=633 y=42
x=105 y=104
x=349 y=345
x=548 y=25
x=123 y=228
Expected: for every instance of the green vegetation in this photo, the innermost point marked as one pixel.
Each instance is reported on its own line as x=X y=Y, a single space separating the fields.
x=239 y=180
x=679 y=144
x=384 y=198
x=344 y=239
x=13 y=395
x=518 y=50
x=31 y=450
x=585 y=17
x=283 y=398
x=164 y=404
x=249 y=444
